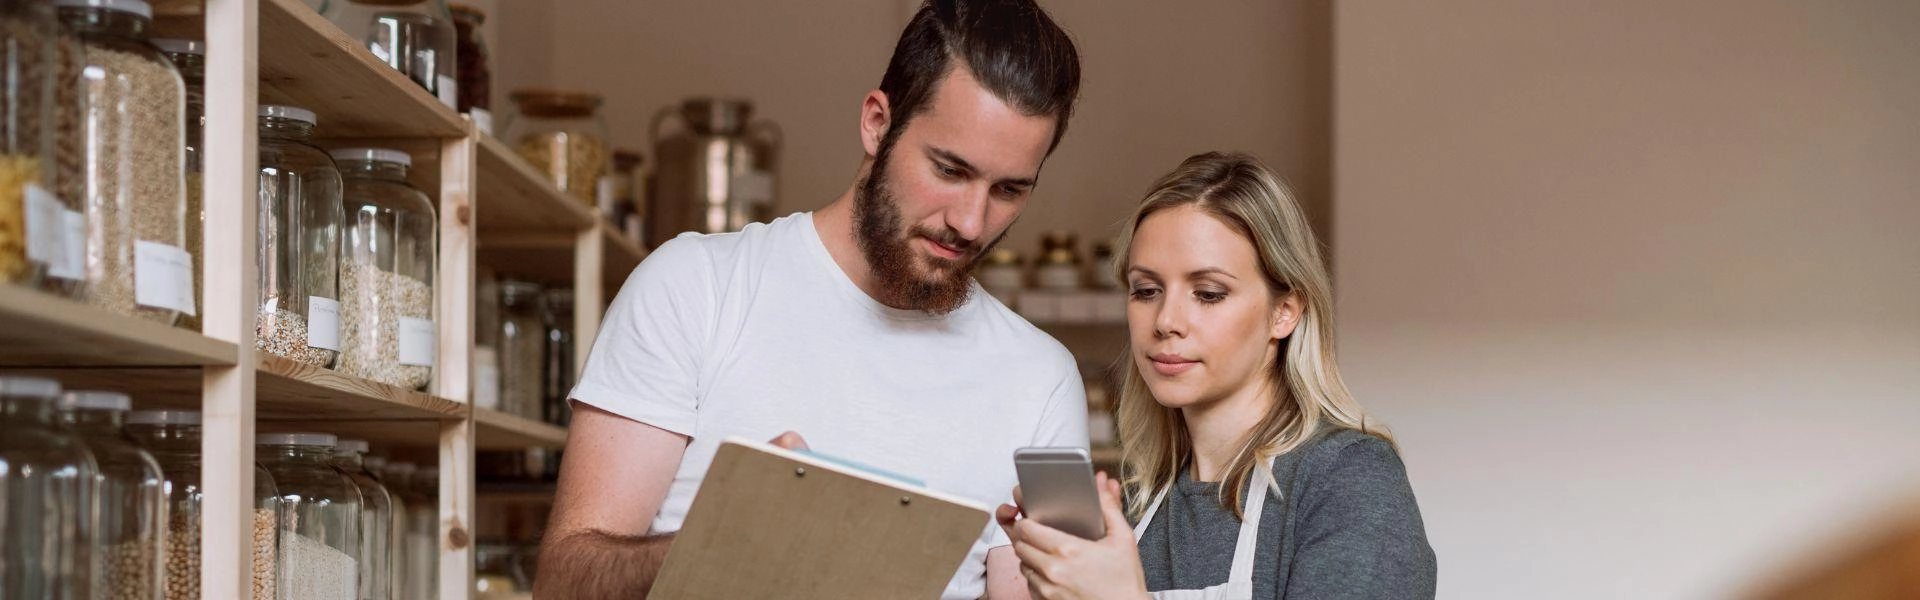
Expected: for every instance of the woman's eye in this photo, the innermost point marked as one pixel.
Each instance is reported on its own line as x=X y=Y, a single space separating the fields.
x=1210 y=297
x=1145 y=293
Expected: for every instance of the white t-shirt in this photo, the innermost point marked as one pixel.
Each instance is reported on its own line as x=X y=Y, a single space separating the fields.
x=759 y=332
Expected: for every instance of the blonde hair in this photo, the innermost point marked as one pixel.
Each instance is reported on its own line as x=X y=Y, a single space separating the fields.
x=1309 y=395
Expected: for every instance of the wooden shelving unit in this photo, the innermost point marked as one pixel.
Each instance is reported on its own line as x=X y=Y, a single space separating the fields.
x=501 y=431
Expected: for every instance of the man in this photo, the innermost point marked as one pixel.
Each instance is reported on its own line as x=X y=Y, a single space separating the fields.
x=858 y=326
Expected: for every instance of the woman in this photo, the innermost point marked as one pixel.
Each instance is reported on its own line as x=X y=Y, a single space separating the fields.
x=1249 y=468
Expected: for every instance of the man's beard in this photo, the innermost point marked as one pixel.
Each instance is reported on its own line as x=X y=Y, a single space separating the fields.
x=895 y=266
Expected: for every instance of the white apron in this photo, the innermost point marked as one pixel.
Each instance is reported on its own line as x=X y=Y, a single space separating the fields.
x=1239 y=585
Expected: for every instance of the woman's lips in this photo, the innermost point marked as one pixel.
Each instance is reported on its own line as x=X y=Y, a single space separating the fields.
x=1171 y=364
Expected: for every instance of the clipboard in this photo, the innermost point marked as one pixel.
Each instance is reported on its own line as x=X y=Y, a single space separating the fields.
x=773 y=523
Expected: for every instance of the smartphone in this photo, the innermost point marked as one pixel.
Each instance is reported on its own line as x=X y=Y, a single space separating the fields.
x=1056 y=487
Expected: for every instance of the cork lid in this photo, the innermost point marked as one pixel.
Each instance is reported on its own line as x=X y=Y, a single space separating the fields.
x=550 y=102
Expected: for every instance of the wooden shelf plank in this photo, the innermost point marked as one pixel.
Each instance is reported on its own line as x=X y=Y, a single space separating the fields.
x=501 y=431
x=542 y=257
x=515 y=197
x=306 y=61
x=40 y=330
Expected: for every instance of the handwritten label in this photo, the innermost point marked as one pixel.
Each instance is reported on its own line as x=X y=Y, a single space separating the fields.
x=162 y=276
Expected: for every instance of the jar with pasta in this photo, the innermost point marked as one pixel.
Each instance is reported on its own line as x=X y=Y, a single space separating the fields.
x=386 y=270
x=137 y=263
x=298 y=313
x=30 y=213
x=561 y=133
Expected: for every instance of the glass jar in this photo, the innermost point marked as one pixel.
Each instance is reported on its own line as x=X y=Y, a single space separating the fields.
x=423 y=534
x=486 y=339
x=561 y=134
x=415 y=37
x=376 y=520
x=523 y=333
x=135 y=157
x=298 y=314
x=497 y=572
x=557 y=372
x=475 y=80
x=1000 y=274
x=67 y=271
x=629 y=212
x=173 y=437
x=398 y=478
x=1059 y=266
x=129 y=492
x=45 y=497
x=1103 y=276
x=386 y=270
x=30 y=233
x=190 y=57
x=320 y=516
x=615 y=191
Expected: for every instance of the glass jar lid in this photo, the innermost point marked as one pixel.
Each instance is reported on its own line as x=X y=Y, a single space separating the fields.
x=295 y=113
x=548 y=102
x=164 y=417
x=1058 y=239
x=1002 y=257
x=29 y=387
x=374 y=155
x=323 y=440
x=95 y=400
x=138 y=7
x=354 y=446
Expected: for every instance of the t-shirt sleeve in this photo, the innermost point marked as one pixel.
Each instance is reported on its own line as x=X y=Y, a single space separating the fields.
x=1360 y=534
x=645 y=362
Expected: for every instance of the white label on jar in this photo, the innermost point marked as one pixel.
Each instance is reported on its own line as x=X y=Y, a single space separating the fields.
x=486 y=377
x=162 y=276
x=323 y=323
x=416 y=342
x=449 y=91
x=482 y=119
x=44 y=228
x=72 y=261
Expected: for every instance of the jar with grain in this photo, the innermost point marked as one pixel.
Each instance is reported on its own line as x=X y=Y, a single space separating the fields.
x=376 y=520
x=320 y=517
x=386 y=270
x=561 y=133
x=137 y=262
x=298 y=313
x=415 y=37
x=173 y=437
x=130 y=495
x=30 y=212
x=49 y=483
x=190 y=57
x=475 y=77
x=67 y=270
x=523 y=336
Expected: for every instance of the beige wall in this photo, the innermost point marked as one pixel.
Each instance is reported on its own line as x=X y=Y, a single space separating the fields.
x=1637 y=283
x=1162 y=80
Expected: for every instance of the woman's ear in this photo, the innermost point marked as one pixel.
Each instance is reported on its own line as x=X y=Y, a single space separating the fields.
x=876 y=114
x=1286 y=316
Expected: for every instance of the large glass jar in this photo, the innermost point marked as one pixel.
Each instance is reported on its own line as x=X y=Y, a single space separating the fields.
x=475 y=76
x=29 y=210
x=562 y=135
x=486 y=339
x=320 y=518
x=129 y=495
x=190 y=57
x=376 y=520
x=137 y=262
x=46 y=495
x=415 y=37
x=173 y=437
x=423 y=534
x=398 y=478
x=523 y=333
x=298 y=315
x=386 y=270
x=67 y=270
x=557 y=372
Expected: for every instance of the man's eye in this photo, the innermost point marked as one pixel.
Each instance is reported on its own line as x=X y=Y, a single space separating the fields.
x=946 y=171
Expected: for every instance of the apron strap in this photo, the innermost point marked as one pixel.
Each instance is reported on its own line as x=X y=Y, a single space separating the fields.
x=1158 y=497
x=1249 y=539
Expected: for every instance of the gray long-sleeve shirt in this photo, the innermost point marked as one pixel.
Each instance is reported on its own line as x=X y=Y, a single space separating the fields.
x=1346 y=526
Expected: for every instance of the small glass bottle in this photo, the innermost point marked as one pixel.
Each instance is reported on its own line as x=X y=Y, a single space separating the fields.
x=135 y=148
x=46 y=498
x=415 y=37
x=376 y=520
x=386 y=270
x=475 y=80
x=30 y=217
x=190 y=57
x=173 y=437
x=320 y=517
x=130 y=492
x=562 y=135
x=1059 y=267
x=523 y=333
x=1000 y=274
x=298 y=312
x=557 y=372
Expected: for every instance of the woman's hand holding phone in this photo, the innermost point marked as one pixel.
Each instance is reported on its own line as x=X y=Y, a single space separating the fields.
x=1060 y=565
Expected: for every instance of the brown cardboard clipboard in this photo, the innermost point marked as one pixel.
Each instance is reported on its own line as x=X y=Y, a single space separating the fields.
x=772 y=523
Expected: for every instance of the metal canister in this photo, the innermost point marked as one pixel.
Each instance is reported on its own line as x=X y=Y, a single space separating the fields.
x=715 y=174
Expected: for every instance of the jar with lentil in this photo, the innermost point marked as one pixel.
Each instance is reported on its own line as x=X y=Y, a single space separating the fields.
x=320 y=518
x=130 y=495
x=30 y=212
x=47 y=492
x=523 y=334
x=137 y=263
x=173 y=437
x=298 y=313
x=561 y=133
x=190 y=57
x=415 y=37
x=386 y=270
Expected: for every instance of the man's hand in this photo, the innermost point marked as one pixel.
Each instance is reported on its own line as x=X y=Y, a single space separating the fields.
x=1060 y=565
x=790 y=440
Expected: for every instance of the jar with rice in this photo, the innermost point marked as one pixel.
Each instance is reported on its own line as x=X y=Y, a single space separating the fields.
x=387 y=262
x=298 y=312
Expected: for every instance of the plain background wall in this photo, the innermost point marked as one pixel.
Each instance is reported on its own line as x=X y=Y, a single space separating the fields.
x=1637 y=283
x=1160 y=81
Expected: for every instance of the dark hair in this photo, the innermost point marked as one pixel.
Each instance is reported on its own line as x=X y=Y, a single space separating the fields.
x=1011 y=47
